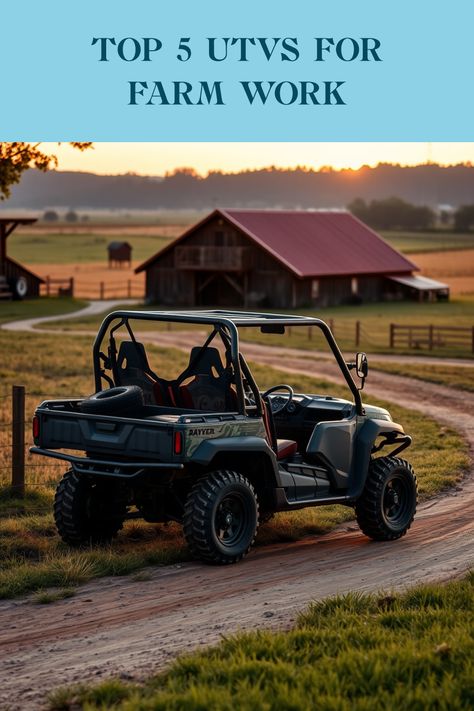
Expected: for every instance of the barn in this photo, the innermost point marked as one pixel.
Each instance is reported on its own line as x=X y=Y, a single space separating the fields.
x=16 y=281
x=281 y=259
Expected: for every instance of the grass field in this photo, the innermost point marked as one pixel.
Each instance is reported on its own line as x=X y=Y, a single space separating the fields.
x=450 y=375
x=84 y=245
x=80 y=251
x=13 y=310
x=77 y=244
x=68 y=244
x=417 y=242
x=31 y=554
x=350 y=653
x=374 y=318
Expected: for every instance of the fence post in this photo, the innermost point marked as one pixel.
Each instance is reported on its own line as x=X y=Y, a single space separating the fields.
x=357 y=334
x=102 y=291
x=71 y=285
x=392 y=335
x=18 y=440
x=47 y=286
x=430 y=337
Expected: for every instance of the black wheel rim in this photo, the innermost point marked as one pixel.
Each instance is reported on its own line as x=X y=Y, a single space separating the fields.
x=231 y=519
x=397 y=502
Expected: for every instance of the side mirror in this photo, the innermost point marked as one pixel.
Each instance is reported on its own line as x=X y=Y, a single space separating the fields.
x=362 y=367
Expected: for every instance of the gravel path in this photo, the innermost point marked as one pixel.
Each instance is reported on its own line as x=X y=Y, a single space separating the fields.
x=92 y=309
x=121 y=627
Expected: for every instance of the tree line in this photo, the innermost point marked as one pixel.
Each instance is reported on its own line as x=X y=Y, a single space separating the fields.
x=396 y=214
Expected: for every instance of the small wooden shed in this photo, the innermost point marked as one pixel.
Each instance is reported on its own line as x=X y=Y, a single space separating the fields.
x=16 y=281
x=119 y=253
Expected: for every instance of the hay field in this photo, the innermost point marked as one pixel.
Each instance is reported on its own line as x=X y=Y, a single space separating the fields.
x=456 y=268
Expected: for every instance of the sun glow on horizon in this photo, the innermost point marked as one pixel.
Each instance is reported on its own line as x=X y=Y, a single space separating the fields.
x=157 y=159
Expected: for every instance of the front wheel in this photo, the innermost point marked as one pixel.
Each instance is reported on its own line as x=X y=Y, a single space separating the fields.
x=221 y=517
x=386 y=508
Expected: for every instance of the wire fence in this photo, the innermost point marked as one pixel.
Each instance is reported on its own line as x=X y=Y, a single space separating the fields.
x=20 y=470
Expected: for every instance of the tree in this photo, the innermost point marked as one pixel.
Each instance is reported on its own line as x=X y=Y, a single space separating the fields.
x=50 y=216
x=16 y=158
x=393 y=214
x=464 y=218
x=71 y=216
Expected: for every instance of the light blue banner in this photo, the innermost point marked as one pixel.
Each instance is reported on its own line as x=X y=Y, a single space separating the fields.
x=288 y=71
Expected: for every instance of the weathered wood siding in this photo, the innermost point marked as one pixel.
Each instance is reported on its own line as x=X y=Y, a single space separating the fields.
x=266 y=284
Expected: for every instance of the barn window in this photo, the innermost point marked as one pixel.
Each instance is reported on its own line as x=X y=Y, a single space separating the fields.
x=315 y=289
x=219 y=239
x=354 y=286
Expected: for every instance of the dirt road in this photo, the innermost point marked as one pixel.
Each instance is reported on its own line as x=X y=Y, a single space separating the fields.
x=118 y=626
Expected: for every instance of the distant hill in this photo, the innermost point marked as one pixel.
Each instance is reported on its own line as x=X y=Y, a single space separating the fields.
x=424 y=184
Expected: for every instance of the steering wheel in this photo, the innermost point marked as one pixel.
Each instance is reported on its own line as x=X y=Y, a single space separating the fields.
x=277 y=405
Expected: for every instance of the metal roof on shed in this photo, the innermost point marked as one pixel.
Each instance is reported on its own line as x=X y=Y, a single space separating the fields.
x=311 y=243
x=420 y=283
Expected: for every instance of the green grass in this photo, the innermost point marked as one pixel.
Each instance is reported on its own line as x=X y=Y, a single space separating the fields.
x=46 y=597
x=355 y=652
x=31 y=248
x=31 y=555
x=86 y=246
x=415 y=242
x=461 y=378
x=375 y=322
x=32 y=308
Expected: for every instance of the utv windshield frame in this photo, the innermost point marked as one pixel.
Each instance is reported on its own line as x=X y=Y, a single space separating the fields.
x=226 y=324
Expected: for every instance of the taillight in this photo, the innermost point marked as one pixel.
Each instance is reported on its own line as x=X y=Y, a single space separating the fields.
x=36 y=427
x=178 y=443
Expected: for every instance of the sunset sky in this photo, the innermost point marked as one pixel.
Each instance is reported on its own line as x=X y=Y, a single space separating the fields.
x=157 y=158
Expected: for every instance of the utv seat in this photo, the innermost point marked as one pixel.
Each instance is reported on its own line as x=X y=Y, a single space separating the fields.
x=211 y=386
x=282 y=447
x=286 y=448
x=133 y=369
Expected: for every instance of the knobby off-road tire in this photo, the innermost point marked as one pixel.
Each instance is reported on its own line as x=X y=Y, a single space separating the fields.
x=221 y=517
x=122 y=400
x=387 y=507
x=86 y=511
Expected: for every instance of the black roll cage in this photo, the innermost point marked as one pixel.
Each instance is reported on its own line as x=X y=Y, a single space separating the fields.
x=226 y=323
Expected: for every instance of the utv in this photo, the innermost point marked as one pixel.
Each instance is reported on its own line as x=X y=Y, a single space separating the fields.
x=209 y=449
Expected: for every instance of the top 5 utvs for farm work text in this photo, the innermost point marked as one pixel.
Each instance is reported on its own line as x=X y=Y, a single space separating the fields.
x=219 y=51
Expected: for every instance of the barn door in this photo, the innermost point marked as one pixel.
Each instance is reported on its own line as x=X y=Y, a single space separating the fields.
x=219 y=289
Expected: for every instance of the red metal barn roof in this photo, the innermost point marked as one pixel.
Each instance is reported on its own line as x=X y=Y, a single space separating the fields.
x=320 y=243
x=312 y=244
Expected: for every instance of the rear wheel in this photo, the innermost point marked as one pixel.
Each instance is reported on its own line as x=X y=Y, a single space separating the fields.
x=86 y=511
x=221 y=517
x=386 y=509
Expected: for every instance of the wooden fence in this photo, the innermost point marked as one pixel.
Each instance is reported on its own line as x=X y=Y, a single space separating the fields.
x=431 y=337
x=58 y=287
x=127 y=289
